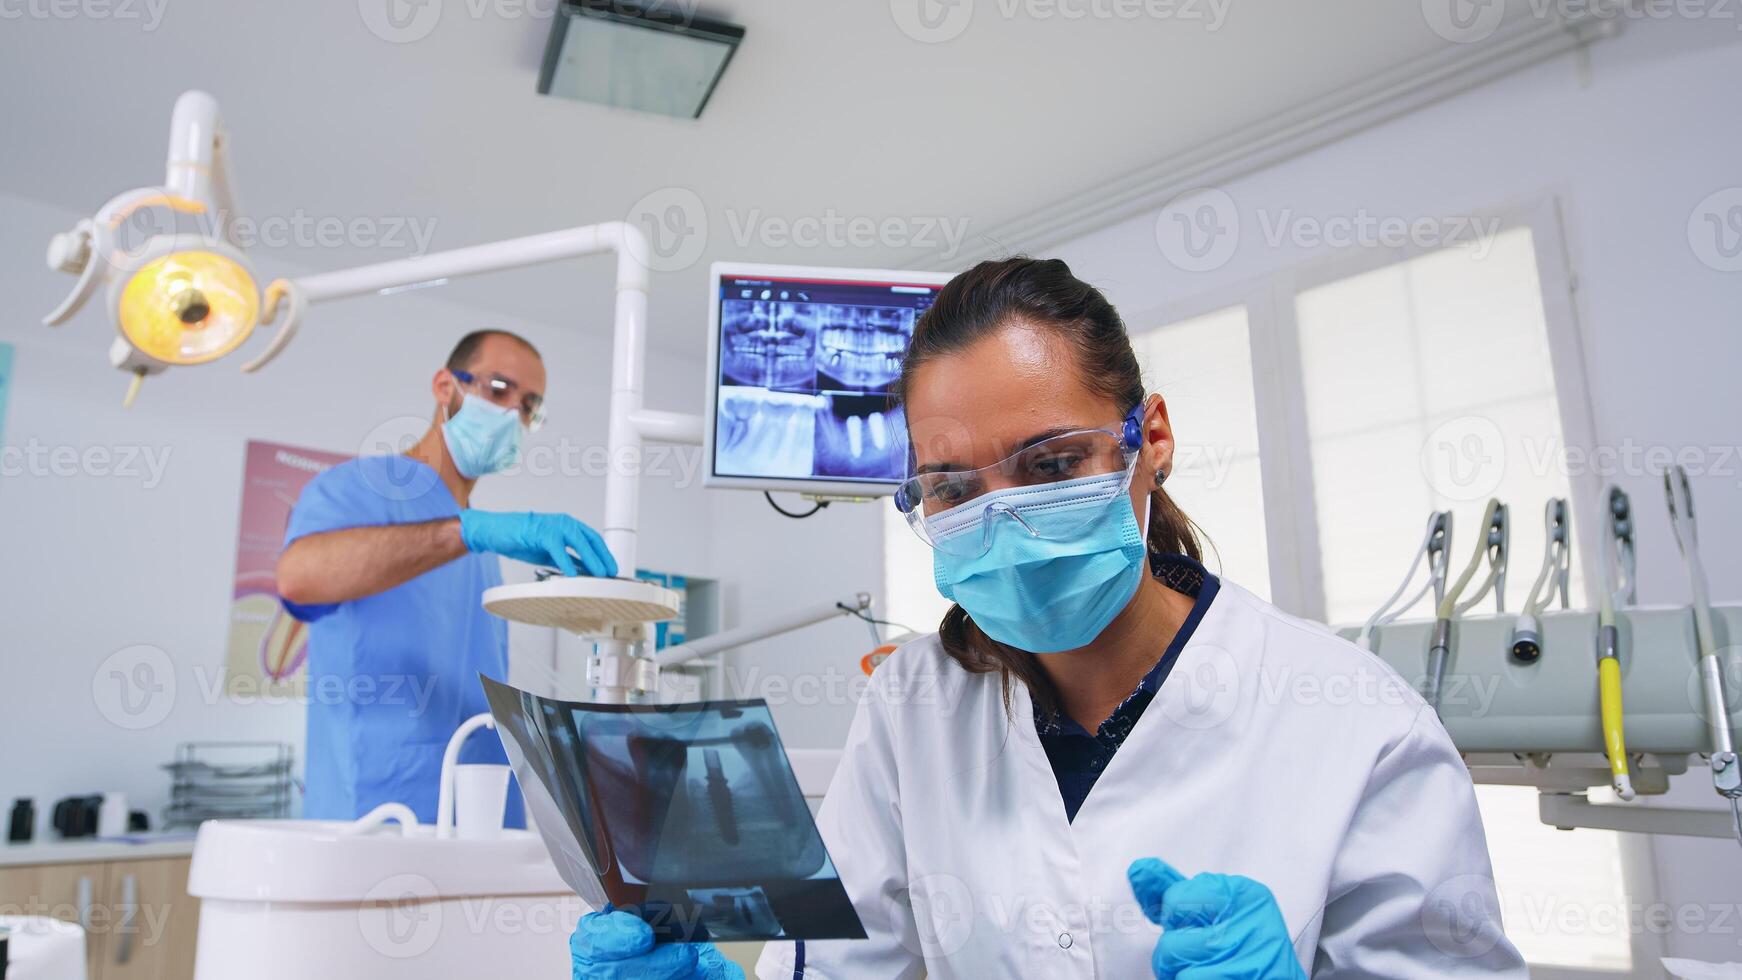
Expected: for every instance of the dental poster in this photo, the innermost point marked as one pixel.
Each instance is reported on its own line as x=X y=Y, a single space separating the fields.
x=268 y=648
x=687 y=815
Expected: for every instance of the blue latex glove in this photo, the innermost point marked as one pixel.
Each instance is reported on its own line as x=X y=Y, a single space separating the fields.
x=1221 y=926
x=539 y=539
x=612 y=945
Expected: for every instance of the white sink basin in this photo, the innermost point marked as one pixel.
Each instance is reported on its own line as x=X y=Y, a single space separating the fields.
x=293 y=899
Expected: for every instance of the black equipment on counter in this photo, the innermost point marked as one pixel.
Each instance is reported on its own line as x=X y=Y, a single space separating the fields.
x=23 y=825
x=76 y=816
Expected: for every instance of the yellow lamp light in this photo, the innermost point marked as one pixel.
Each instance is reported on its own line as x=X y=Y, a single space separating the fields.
x=189 y=307
x=176 y=296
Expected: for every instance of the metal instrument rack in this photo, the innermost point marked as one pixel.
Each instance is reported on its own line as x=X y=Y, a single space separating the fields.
x=1537 y=724
x=228 y=780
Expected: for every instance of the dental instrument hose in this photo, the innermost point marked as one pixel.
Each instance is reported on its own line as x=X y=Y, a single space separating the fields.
x=1432 y=553
x=1527 y=632
x=1440 y=650
x=1726 y=771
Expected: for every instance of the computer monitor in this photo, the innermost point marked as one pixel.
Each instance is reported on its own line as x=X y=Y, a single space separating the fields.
x=802 y=364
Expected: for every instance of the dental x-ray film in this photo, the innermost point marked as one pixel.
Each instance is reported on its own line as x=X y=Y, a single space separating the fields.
x=686 y=815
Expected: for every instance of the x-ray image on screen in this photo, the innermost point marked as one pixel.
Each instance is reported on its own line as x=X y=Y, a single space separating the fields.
x=862 y=347
x=804 y=372
x=686 y=815
x=861 y=436
x=769 y=345
x=766 y=433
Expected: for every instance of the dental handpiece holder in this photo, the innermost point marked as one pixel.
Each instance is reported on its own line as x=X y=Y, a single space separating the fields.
x=1538 y=723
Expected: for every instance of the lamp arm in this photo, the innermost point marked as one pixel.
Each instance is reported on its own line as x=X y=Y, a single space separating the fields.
x=797 y=619
x=198 y=166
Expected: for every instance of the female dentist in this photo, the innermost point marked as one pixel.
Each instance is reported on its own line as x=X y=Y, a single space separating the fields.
x=1108 y=762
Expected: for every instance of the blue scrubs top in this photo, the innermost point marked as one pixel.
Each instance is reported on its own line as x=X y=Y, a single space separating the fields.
x=390 y=676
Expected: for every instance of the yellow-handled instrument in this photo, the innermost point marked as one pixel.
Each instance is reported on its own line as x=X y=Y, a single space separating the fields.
x=1620 y=526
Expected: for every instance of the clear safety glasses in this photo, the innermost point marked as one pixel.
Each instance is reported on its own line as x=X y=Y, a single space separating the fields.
x=954 y=510
x=506 y=392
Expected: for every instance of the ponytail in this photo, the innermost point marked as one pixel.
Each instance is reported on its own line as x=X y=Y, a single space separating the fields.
x=1171 y=532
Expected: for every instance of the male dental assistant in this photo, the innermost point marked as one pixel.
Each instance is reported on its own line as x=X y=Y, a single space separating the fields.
x=387 y=563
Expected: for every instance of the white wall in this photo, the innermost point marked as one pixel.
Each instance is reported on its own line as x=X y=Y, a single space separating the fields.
x=1630 y=157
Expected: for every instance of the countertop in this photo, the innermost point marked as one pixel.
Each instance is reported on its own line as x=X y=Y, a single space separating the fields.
x=91 y=850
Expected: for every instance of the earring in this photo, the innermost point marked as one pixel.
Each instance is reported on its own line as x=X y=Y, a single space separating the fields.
x=1160 y=478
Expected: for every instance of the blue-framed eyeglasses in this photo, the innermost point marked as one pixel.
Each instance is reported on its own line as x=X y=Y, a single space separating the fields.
x=507 y=393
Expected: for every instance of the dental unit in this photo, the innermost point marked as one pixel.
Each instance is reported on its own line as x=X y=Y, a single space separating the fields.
x=1539 y=721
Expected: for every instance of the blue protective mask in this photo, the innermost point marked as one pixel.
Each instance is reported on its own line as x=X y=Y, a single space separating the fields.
x=482 y=437
x=1044 y=590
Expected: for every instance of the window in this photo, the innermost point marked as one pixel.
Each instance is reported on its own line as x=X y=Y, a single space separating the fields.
x=1562 y=893
x=1428 y=386
x=1203 y=367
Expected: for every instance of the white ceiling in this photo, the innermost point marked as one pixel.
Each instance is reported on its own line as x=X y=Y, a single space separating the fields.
x=829 y=108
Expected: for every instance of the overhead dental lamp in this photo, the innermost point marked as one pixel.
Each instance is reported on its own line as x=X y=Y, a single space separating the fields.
x=177 y=295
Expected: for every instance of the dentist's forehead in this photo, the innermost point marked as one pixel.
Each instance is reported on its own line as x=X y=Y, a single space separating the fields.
x=976 y=405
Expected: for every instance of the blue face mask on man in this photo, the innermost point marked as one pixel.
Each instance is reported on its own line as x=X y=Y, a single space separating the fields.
x=1054 y=574
x=482 y=437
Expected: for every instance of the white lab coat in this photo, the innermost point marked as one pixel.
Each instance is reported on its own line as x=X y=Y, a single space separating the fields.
x=1274 y=750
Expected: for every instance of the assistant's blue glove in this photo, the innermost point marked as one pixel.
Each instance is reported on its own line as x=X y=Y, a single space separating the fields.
x=612 y=945
x=1222 y=926
x=539 y=539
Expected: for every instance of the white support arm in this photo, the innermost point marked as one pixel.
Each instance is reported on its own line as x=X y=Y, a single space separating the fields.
x=510 y=253
x=797 y=619
x=1567 y=811
x=197 y=167
x=673 y=427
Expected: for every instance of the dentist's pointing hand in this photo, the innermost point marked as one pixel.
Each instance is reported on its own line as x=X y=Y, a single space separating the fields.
x=1221 y=926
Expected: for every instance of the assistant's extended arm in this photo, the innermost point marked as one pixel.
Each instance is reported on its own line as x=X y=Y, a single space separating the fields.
x=350 y=563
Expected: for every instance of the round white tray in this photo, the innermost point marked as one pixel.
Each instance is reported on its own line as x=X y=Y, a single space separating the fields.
x=583 y=605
